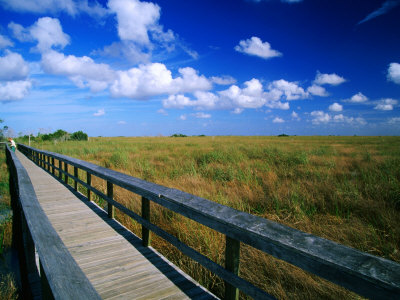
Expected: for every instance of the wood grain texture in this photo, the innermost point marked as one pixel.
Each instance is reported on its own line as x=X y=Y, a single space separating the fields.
x=111 y=257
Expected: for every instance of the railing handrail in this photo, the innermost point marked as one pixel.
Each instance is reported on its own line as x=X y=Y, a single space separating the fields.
x=64 y=277
x=363 y=273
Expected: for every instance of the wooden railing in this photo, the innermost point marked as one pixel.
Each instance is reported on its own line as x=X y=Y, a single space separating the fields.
x=365 y=274
x=33 y=233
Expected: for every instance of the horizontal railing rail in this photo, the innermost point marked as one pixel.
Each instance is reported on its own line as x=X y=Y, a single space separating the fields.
x=365 y=274
x=59 y=275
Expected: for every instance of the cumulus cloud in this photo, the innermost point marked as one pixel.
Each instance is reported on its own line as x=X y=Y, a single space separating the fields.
x=335 y=107
x=5 y=42
x=332 y=79
x=201 y=115
x=320 y=117
x=255 y=46
x=317 y=90
x=155 y=79
x=14 y=90
x=358 y=98
x=83 y=71
x=385 y=8
x=386 y=104
x=223 y=80
x=135 y=19
x=290 y=90
x=13 y=67
x=46 y=31
x=394 y=73
x=55 y=6
x=278 y=120
x=100 y=112
x=395 y=120
x=295 y=116
x=349 y=120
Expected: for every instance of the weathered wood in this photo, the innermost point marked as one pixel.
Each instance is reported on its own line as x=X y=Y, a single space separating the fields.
x=110 y=194
x=104 y=250
x=53 y=171
x=146 y=216
x=76 y=176
x=232 y=260
x=363 y=273
x=89 y=183
x=65 y=172
x=49 y=245
x=59 y=170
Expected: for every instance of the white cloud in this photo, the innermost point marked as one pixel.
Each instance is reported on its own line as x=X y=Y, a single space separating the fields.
x=14 y=90
x=395 y=120
x=386 y=104
x=155 y=79
x=237 y=111
x=162 y=111
x=19 y=32
x=278 y=120
x=55 y=6
x=349 y=120
x=201 y=115
x=358 y=98
x=295 y=116
x=394 y=73
x=317 y=90
x=289 y=89
x=121 y=122
x=46 y=31
x=320 y=117
x=335 y=107
x=223 y=80
x=135 y=19
x=100 y=112
x=83 y=71
x=5 y=42
x=385 y=8
x=182 y=117
x=332 y=79
x=255 y=46
x=177 y=101
x=13 y=67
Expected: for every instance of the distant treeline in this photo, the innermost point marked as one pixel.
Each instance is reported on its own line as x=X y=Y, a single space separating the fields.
x=59 y=135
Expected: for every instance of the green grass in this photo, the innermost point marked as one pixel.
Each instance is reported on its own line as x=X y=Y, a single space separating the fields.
x=345 y=189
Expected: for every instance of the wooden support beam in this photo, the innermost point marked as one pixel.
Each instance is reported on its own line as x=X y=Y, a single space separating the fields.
x=110 y=194
x=232 y=259
x=145 y=215
x=76 y=176
x=66 y=172
x=89 y=183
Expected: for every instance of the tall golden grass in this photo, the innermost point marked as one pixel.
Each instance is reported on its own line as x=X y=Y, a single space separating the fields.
x=8 y=287
x=345 y=189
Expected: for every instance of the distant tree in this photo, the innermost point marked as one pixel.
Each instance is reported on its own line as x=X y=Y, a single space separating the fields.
x=283 y=135
x=178 y=135
x=79 y=136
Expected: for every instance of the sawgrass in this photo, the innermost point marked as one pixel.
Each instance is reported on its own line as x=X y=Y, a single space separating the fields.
x=345 y=189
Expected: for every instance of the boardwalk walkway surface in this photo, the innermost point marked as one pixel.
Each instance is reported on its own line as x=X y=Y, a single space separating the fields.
x=111 y=257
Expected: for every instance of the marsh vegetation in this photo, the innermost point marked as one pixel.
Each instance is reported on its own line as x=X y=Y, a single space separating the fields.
x=346 y=189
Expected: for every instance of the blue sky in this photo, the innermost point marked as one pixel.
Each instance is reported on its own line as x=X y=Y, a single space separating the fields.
x=238 y=67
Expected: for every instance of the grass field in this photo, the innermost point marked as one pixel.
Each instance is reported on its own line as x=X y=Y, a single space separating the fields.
x=8 y=288
x=345 y=189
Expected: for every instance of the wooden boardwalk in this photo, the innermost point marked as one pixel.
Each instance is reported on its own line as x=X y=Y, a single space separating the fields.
x=112 y=258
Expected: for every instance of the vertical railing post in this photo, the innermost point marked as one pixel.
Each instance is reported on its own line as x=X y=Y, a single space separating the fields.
x=110 y=194
x=46 y=290
x=76 y=176
x=66 y=172
x=146 y=216
x=89 y=183
x=53 y=167
x=46 y=160
x=232 y=259
x=59 y=169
